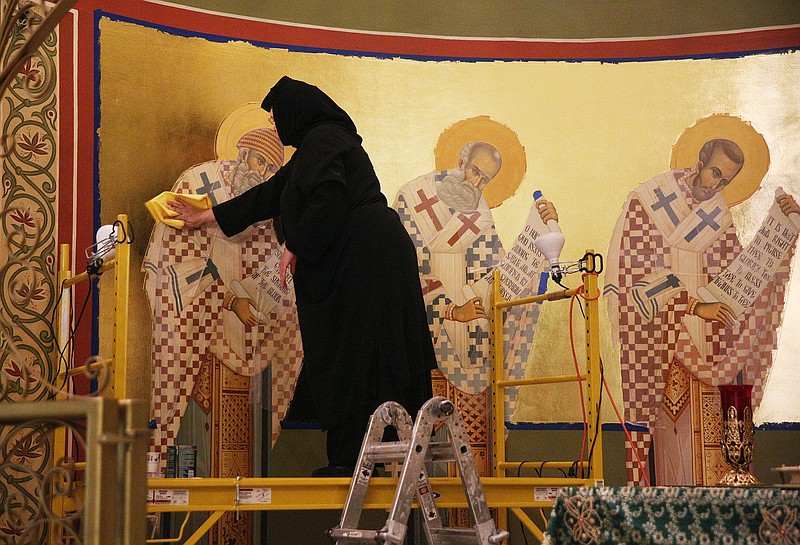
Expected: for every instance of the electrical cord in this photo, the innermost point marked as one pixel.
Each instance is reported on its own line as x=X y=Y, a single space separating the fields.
x=522 y=526
x=52 y=330
x=590 y=458
x=627 y=434
x=80 y=314
x=597 y=420
x=579 y=292
x=573 y=470
x=128 y=239
x=74 y=329
x=578 y=374
x=93 y=272
x=97 y=252
x=608 y=392
x=524 y=533
x=599 y=401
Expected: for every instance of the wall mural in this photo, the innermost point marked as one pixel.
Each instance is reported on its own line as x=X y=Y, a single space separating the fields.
x=585 y=133
x=449 y=217
x=208 y=288
x=220 y=316
x=672 y=246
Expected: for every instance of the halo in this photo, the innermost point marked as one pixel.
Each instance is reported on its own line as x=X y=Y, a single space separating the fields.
x=756 y=153
x=483 y=129
x=236 y=124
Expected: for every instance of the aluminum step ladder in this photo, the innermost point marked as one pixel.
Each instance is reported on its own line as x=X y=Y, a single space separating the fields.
x=414 y=449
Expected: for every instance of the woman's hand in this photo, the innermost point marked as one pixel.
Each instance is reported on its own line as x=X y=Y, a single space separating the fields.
x=191 y=216
x=286 y=265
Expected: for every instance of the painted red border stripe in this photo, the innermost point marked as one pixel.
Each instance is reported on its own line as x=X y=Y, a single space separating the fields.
x=479 y=48
x=66 y=132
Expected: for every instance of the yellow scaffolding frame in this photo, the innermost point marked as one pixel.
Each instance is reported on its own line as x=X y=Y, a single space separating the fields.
x=498 y=384
x=116 y=365
x=219 y=495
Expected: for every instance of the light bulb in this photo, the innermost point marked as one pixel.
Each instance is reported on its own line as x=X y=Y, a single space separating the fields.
x=106 y=242
x=551 y=244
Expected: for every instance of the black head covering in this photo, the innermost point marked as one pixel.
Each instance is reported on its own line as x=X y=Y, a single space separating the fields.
x=297 y=107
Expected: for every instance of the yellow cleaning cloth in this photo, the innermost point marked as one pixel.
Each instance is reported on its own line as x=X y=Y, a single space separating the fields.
x=160 y=212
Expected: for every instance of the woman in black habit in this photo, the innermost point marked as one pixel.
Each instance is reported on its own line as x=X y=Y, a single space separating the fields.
x=362 y=317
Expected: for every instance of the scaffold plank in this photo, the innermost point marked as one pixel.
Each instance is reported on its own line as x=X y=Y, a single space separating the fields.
x=301 y=493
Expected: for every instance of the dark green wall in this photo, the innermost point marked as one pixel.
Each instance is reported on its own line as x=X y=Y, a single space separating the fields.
x=521 y=18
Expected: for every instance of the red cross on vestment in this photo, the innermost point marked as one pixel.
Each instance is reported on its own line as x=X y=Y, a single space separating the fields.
x=430 y=285
x=426 y=204
x=467 y=224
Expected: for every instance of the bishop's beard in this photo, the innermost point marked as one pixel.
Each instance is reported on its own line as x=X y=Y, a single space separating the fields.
x=456 y=192
x=244 y=178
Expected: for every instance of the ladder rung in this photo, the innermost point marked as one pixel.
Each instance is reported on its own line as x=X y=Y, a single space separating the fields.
x=541 y=380
x=454 y=536
x=461 y=536
x=396 y=452
x=455 y=531
x=353 y=535
x=413 y=452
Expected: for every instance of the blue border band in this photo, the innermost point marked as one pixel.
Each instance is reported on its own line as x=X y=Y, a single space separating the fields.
x=560 y=426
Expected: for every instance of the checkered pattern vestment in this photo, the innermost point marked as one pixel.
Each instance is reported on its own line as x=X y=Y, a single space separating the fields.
x=479 y=252
x=185 y=278
x=649 y=344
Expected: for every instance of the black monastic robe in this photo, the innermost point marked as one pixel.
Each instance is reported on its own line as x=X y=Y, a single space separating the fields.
x=360 y=307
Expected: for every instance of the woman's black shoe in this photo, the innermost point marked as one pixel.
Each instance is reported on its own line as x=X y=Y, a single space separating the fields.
x=333 y=471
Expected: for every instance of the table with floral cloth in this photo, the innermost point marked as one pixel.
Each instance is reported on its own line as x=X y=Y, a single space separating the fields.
x=675 y=515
